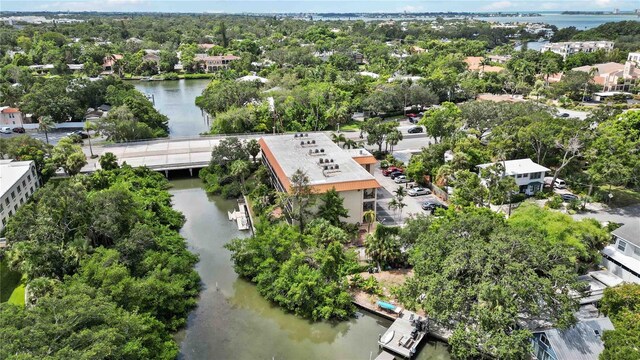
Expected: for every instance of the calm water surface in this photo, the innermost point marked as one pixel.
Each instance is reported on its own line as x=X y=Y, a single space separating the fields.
x=176 y=99
x=232 y=321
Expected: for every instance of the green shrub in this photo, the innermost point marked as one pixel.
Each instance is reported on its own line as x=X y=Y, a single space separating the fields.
x=518 y=198
x=371 y=286
x=540 y=195
x=554 y=203
x=170 y=76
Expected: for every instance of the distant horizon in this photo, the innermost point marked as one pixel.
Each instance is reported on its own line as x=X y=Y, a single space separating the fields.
x=318 y=6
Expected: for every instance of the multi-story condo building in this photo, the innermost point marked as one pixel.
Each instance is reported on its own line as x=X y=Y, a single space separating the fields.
x=327 y=166
x=572 y=47
x=18 y=181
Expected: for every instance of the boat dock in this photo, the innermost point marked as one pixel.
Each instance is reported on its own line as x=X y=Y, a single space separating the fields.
x=404 y=336
x=240 y=216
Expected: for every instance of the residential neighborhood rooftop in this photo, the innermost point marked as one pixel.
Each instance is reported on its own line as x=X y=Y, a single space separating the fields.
x=580 y=342
x=10 y=172
x=629 y=232
x=324 y=162
x=519 y=166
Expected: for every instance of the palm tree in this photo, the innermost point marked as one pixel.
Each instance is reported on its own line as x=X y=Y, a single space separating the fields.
x=484 y=62
x=350 y=144
x=339 y=138
x=240 y=169
x=592 y=72
x=88 y=126
x=46 y=124
x=369 y=217
x=383 y=246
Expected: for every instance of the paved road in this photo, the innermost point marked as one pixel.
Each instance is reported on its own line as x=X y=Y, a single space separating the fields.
x=54 y=135
x=625 y=215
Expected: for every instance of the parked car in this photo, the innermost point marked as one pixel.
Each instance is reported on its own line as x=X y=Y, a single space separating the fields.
x=413 y=120
x=390 y=169
x=569 y=197
x=19 y=130
x=412 y=115
x=82 y=134
x=433 y=205
x=418 y=190
x=395 y=174
x=415 y=130
x=5 y=130
x=564 y=115
x=558 y=183
x=401 y=179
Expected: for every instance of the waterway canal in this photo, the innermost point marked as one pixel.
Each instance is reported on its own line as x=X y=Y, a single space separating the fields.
x=232 y=321
x=176 y=99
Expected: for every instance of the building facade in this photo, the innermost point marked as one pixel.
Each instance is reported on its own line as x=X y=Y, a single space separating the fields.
x=18 y=181
x=622 y=256
x=613 y=76
x=573 y=47
x=528 y=175
x=349 y=172
x=214 y=63
x=11 y=116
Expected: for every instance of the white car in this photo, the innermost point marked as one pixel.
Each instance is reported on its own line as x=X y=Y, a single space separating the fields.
x=401 y=179
x=5 y=130
x=417 y=191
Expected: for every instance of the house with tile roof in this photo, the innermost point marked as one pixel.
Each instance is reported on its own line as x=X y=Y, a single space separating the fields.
x=613 y=76
x=11 y=116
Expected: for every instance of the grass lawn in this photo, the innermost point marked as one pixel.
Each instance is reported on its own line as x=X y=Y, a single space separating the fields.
x=621 y=196
x=350 y=126
x=11 y=285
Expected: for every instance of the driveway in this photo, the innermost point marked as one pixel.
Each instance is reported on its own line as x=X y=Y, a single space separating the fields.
x=54 y=135
x=386 y=194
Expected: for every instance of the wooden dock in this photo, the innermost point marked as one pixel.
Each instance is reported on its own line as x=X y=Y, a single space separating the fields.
x=405 y=334
x=385 y=356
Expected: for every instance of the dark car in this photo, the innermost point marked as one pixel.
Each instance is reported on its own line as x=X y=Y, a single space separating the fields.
x=413 y=120
x=390 y=169
x=19 y=130
x=415 y=130
x=564 y=115
x=82 y=134
x=569 y=197
x=395 y=174
x=433 y=205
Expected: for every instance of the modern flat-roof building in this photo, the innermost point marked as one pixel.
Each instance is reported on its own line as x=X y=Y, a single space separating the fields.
x=528 y=175
x=18 y=181
x=326 y=165
x=572 y=47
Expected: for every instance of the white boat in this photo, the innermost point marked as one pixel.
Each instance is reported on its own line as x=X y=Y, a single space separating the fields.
x=240 y=218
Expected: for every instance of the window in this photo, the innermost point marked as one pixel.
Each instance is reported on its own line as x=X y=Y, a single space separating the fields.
x=24 y=184
x=525 y=175
x=31 y=188
x=636 y=250
x=15 y=207
x=622 y=246
x=19 y=189
x=13 y=195
x=535 y=175
x=29 y=178
x=519 y=176
x=4 y=221
x=1 y=207
x=21 y=201
x=6 y=201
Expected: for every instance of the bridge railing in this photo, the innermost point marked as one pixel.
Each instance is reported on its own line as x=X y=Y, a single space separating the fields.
x=196 y=137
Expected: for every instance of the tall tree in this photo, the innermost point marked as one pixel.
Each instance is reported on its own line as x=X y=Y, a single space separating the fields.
x=441 y=122
x=332 y=207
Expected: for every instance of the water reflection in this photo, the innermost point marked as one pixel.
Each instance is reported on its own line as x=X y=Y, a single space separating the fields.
x=232 y=321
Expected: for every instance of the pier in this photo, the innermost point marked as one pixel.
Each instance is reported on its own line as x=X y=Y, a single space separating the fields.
x=405 y=334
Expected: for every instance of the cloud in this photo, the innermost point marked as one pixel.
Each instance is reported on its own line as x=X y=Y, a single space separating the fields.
x=498 y=5
x=549 y=6
x=93 y=5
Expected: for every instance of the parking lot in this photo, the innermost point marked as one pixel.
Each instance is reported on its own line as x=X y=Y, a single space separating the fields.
x=386 y=194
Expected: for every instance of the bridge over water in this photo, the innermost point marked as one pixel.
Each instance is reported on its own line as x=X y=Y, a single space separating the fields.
x=165 y=154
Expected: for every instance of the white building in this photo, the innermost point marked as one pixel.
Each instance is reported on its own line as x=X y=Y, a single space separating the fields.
x=635 y=57
x=18 y=181
x=528 y=175
x=622 y=257
x=572 y=47
x=349 y=172
x=11 y=116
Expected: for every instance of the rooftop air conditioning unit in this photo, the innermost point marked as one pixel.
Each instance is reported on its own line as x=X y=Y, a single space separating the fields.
x=326 y=168
x=313 y=141
x=308 y=142
x=336 y=167
x=316 y=151
x=295 y=135
x=306 y=135
x=310 y=151
x=321 y=160
x=322 y=151
x=331 y=160
x=302 y=143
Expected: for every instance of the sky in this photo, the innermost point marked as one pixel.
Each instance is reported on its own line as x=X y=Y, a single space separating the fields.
x=294 y=6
